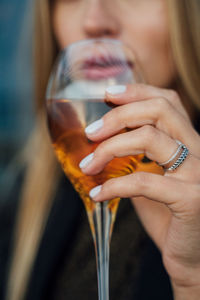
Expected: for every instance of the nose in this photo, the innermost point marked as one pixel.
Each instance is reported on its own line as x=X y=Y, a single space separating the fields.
x=100 y=20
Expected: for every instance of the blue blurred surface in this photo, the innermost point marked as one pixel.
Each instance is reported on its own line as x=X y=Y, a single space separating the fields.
x=16 y=118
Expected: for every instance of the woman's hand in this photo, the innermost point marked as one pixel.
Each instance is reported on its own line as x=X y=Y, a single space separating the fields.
x=169 y=205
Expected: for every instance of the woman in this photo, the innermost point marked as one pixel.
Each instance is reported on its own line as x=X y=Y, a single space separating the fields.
x=165 y=37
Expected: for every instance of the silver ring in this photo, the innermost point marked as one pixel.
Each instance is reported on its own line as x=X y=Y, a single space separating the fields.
x=180 y=160
x=177 y=158
x=174 y=155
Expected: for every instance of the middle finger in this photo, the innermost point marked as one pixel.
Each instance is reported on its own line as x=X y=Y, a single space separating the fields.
x=156 y=145
x=157 y=112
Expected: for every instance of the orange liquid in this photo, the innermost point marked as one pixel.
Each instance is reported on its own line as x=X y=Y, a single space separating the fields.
x=66 y=124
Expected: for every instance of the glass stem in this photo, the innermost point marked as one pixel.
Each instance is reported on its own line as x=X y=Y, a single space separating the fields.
x=102 y=218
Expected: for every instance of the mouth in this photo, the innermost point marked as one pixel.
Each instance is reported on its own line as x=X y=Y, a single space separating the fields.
x=102 y=67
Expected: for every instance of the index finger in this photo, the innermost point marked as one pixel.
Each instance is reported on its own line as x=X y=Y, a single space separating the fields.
x=124 y=94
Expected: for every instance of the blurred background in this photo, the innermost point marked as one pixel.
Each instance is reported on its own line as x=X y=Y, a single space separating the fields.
x=16 y=92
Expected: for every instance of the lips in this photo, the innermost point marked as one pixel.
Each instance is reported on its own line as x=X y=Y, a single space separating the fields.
x=102 y=67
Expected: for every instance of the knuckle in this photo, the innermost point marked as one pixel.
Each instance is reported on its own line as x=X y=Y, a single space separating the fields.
x=138 y=90
x=111 y=117
x=119 y=117
x=162 y=105
x=141 y=180
x=149 y=133
x=98 y=150
x=174 y=96
x=111 y=186
x=116 y=114
x=101 y=149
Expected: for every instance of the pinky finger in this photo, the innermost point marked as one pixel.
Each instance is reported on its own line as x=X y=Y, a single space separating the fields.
x=169 y=191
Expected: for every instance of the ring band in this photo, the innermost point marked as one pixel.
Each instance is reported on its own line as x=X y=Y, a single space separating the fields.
x=174 y=155
x=177 y=158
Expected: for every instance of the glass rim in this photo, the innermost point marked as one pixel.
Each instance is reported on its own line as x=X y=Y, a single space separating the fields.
x=92 y=40
x=68 y=49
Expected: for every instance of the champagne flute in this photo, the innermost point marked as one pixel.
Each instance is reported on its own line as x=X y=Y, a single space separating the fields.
x=76 y=98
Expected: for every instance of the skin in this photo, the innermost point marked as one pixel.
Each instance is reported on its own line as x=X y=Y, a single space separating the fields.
x=147 y=36
x=171 y=211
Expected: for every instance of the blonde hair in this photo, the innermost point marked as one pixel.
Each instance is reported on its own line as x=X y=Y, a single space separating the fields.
x=37 y=193
x=184 y=22
x=42 y=172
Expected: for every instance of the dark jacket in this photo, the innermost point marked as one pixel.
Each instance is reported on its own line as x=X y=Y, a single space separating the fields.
x=65 y=265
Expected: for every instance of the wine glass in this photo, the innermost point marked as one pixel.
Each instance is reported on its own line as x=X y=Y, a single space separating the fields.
x=76 y=98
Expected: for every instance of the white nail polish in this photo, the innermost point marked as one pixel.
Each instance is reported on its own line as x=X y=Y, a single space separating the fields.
x=95 y=191
x=116 y=89
x=86 y=161
x=94 y=127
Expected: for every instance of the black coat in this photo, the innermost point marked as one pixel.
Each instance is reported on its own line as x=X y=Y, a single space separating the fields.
x=65 y=265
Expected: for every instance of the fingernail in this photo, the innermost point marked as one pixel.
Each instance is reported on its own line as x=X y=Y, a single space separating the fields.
x=94 y=127
x=86 y=161
x=116 y=89
x=95 y=191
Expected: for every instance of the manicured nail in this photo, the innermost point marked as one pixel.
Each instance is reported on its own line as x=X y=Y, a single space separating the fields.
x=95 y=191
x=94 y=127
x=116 y=89
x=86 y=161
